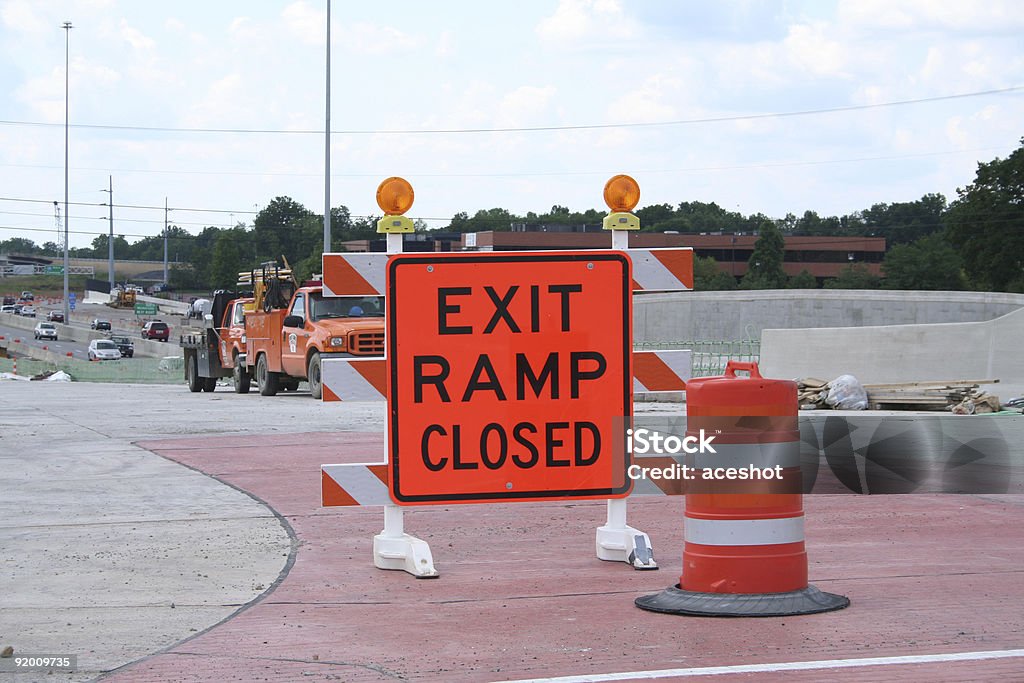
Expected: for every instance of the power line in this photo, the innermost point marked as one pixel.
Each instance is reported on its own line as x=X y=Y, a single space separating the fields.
x=129 y=206
x=530 y=129
x=690 y=169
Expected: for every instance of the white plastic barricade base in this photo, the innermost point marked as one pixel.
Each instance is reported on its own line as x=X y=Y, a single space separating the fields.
x=395 y=549
x=619 y=542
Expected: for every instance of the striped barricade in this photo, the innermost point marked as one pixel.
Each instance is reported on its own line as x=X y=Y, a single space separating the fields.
x=365 y=379
x=654 y=270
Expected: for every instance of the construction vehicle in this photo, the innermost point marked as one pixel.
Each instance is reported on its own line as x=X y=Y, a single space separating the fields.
x=291 y=329
x=279 y=334
x=217 y=348
x=125 y=298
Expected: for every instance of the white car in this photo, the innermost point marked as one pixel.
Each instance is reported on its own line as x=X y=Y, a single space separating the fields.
x=28 y=311
x=103 y=349
x=46 y=331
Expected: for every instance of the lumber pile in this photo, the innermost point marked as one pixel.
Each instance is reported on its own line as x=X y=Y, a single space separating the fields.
x=962 y=397
x=812 y=392
x=938 y=395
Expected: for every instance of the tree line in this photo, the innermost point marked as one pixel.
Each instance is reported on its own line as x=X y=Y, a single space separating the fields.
x=974 y=242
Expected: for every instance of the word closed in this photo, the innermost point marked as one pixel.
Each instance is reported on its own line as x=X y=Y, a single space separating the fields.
x=506 y=372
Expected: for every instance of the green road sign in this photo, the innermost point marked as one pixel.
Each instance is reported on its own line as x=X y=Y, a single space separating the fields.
x=145 y=309
x=53 y=270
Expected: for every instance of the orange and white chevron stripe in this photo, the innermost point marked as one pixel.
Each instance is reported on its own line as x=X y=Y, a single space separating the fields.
x=365 y=379
x=654 y=270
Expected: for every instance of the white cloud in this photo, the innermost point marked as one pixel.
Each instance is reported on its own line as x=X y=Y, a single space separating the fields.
x=21 y=16
x=367 y=38
x=992 y=16
x=136 y=38
x=523 y=106
x=811 y=48
x=646 y=104
x=577 y=21
x=305 y=22
x=445 y=45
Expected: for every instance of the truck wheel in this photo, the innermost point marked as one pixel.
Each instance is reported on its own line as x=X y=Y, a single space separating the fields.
x=240 y=378
x=192 y=378
x=265 y=379
x=209 y=384
x=316 y=387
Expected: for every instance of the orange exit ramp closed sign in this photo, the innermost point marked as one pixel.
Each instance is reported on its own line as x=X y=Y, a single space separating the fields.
x=506 y=375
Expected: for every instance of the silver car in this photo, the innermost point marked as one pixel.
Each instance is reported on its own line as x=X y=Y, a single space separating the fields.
x=103 y=349
x=46 y=331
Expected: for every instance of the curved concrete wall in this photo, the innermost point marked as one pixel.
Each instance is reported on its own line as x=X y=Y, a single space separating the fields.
x=902 y=353
x=743 y=315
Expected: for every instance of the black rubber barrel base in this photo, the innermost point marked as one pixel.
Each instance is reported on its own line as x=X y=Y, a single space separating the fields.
x=674 y=600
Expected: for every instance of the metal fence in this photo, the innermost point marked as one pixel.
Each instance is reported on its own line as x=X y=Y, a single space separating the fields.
x=130 y=370
x=709 y=356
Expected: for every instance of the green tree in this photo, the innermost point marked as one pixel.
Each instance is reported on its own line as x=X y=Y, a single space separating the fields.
x=18 y=245
x=905 y=222
x=708 y=276
x=986 y=223
x=929 y=263
x=286 y=228
x=654 y=214
x=803 y=281
x=225 y=263
x=854 y=276
x=764 y=267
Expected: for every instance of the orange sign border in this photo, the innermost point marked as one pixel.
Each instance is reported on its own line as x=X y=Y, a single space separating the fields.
x=398 y=261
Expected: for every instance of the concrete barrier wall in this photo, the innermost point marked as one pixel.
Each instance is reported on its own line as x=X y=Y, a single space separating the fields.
x=143 y=347
x=743 y=315
x=901 y=353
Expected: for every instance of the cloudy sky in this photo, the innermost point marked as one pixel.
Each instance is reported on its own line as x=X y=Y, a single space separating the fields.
x=769 y=107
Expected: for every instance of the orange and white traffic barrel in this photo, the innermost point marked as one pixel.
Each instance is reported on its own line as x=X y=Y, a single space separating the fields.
x=744 y=552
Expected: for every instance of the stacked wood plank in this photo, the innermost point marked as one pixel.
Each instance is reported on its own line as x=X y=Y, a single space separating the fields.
x=960 y=396
x=937 y=395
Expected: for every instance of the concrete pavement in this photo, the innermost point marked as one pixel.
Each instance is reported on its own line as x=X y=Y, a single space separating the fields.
x=111 y=552
x=118 y=500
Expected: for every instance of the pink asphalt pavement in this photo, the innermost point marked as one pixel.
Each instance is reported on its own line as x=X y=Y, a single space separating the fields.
x=521 y=594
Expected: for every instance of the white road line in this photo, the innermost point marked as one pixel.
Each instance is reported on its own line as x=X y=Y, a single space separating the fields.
x=780 y=666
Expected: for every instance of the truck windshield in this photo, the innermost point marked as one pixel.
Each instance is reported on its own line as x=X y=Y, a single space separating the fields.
x=347 y=307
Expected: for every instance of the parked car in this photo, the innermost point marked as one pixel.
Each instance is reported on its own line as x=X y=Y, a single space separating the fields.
x=156 y=329
x=46 y=331
x=124 y=345
x=55 y=317
x=103 y=349
x=100 y=324
x=28 y=311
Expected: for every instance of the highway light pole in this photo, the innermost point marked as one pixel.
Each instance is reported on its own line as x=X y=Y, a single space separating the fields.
x=67 y=43
x=110 y=240
x=327 y=143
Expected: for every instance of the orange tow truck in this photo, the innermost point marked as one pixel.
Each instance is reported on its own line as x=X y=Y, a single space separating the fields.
x=218 y=349
x=285 y=345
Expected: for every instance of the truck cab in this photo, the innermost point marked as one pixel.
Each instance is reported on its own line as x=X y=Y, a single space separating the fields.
x=287 y=345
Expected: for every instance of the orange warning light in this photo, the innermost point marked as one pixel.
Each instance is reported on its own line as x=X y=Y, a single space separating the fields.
x=395 y=196
x=621 y=193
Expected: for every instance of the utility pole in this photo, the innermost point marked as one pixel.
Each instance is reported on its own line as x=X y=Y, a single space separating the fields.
x=327 y=143
x=166 y=226
x=67 y=263
x=110 y=240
